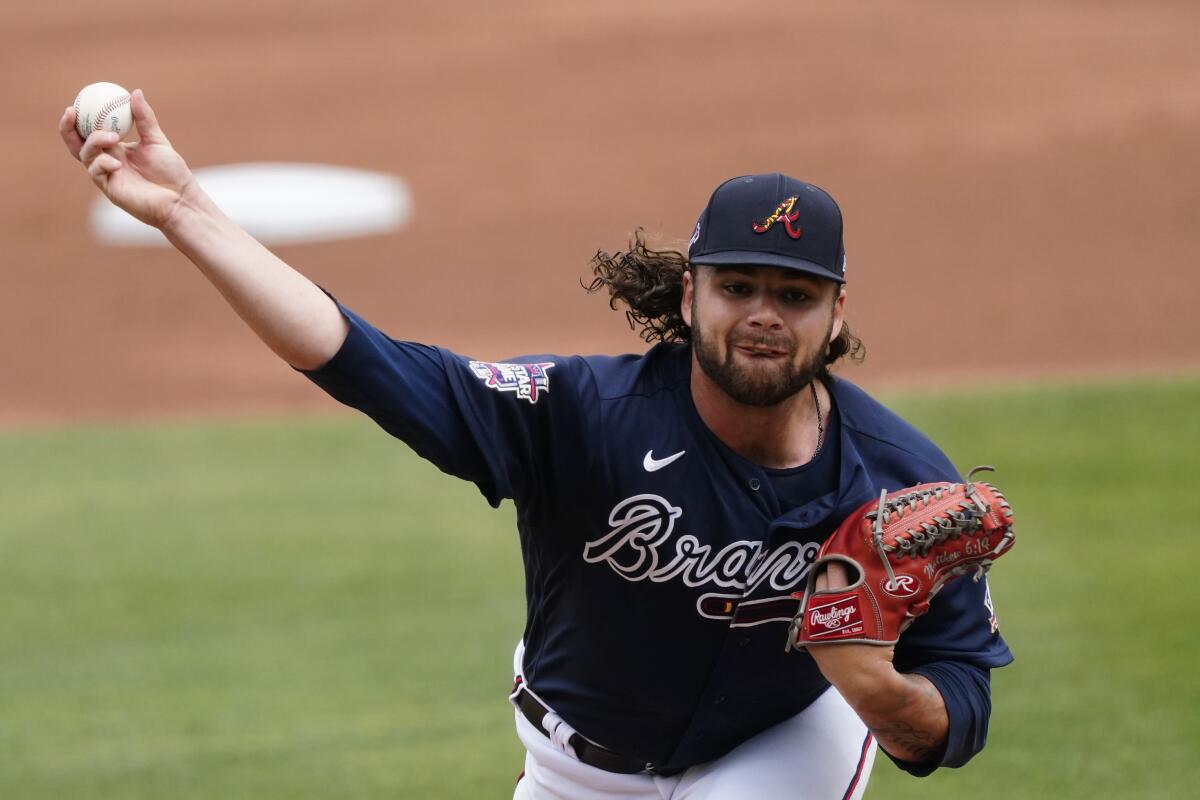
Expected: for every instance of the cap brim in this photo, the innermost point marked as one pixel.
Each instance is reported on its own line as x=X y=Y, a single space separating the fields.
x=751 y=258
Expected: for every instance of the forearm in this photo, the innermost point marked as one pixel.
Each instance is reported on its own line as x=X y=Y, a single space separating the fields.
x=151 y=181
x=291 y=315
x=905 y=712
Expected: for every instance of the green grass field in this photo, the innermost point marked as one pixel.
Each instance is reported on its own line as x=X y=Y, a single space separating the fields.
x=294 y=610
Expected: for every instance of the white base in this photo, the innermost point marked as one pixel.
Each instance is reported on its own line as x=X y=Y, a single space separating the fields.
x=280 y=203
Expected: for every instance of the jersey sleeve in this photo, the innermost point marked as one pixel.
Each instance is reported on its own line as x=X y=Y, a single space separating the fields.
x=501 y=425
x=966 y=691
x=955 y=645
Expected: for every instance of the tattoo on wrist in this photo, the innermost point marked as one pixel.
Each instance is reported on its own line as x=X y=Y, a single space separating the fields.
x=917 y=745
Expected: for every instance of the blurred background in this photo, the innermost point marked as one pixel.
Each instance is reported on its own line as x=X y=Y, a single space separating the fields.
x=1019 y=183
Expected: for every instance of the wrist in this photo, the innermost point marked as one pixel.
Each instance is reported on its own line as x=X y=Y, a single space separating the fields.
x=873 y=688
x=191 y=216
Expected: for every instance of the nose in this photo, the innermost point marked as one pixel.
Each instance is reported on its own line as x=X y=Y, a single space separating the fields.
x=764 y=315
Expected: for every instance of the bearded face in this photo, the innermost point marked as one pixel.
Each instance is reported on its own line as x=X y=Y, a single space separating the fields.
x=761 y=334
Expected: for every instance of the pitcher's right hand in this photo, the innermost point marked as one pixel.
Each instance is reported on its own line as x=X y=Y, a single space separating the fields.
x=146 y=178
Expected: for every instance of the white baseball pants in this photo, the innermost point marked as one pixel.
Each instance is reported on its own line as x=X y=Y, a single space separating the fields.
x=822 y=753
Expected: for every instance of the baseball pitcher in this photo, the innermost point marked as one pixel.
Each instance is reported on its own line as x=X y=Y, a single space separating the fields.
x=743 y=574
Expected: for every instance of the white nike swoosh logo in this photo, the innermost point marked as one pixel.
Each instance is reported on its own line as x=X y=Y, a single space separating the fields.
x=652 y=464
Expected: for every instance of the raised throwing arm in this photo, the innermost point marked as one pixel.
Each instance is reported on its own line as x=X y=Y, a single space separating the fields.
x=152 y=182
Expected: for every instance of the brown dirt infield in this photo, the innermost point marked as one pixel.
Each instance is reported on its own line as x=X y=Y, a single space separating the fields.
x=1020 y=181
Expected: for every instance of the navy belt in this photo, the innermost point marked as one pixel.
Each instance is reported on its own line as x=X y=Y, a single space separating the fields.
x=587 y=752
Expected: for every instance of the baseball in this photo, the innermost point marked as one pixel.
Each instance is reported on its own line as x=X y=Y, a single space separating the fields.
x=103 y=107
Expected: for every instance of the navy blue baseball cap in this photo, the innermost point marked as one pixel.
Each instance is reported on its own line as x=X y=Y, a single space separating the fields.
x=771 y=221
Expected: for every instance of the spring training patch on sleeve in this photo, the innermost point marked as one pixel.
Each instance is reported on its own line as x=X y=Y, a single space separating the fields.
x=527 y=381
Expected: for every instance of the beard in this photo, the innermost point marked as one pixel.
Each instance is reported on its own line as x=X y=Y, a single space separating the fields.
x=773 y=382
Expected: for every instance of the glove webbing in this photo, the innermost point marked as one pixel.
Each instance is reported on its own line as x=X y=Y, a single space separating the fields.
x=919 y=541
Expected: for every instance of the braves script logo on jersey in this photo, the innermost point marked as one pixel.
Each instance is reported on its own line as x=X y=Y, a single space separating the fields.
x=782 y=213
x=528 y=381
x=639 y=547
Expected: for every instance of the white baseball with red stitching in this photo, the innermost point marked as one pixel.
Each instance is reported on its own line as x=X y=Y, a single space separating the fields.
x=103 y=107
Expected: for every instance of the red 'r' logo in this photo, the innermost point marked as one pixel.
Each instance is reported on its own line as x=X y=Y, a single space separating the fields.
x=903 y=586
x=783 y=213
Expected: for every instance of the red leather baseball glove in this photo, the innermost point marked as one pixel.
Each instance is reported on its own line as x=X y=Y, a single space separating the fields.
x=901 y=550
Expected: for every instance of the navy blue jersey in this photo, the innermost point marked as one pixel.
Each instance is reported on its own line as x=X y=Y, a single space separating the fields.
x=659 y=564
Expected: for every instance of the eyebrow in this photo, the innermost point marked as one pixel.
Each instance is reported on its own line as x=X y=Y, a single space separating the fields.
x=750 y=271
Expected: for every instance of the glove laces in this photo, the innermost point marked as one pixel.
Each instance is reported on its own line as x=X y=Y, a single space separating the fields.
x=917 y=541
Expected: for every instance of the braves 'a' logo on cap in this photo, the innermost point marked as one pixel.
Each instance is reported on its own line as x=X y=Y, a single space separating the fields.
x=783 y=213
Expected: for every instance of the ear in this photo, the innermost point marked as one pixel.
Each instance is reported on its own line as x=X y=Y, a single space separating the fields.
x=839 y=314
x=685 y=301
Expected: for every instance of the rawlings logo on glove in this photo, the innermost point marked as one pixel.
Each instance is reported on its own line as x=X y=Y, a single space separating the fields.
x=902 y=549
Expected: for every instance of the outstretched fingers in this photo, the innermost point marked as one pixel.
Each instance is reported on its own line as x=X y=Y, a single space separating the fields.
x=148 y=129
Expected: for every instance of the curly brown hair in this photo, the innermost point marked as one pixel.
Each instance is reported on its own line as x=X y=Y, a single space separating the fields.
x=649 y=283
